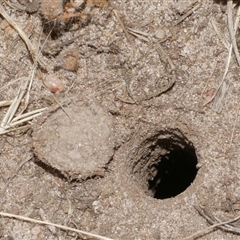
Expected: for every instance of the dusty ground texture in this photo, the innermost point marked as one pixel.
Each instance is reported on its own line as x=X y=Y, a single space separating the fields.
x=95 y=159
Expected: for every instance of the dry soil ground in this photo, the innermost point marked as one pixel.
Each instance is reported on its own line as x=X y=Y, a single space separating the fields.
x=133 y=143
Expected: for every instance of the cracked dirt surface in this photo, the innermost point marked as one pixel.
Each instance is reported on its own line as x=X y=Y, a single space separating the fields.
x=130 y=109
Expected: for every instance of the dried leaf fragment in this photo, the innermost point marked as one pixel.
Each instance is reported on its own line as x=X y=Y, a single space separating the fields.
x=68 y=59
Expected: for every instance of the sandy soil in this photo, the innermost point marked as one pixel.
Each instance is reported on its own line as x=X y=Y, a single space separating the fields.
x=133 y=144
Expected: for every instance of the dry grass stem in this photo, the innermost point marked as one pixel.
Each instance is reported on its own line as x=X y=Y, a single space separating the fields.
x=23 y=35
x=27 y=95
x=13 y=125
x=12 y=82
x=219 y=34
x=228 y=227
x=5 y=103
x=218 y=101
x=228 y=60
x=139 y=34
x=15 y=173
x=11 y=111
x=205 y=87
x=32 y=76
x=187 y=14
x=9 y=122
x=211 y=228
x=12 y=129
x=212 y=220
x=9 y=215
x=234 y=126
x=27 y=115
x=70 y=212
x=31 y=79
x=16 y=6
x=123 y=100
x=44 y=218
x=123 y=27
x=232 y=29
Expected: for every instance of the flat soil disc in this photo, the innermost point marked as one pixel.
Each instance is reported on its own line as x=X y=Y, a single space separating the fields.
x=79 y=146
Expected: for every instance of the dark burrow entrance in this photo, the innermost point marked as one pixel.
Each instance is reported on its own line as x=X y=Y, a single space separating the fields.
x=175 y=172
x=167 y=165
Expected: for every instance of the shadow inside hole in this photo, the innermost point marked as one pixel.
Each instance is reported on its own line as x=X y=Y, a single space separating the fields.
x=175 y=173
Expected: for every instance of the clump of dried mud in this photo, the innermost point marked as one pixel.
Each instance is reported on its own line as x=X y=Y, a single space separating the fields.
x=94 y=160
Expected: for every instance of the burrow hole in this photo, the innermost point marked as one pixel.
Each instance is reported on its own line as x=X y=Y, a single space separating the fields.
x=165 y=164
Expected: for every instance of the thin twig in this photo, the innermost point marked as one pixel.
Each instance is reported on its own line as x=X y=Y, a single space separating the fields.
x=26 y=119
x=9 y=215
x=5 y=103
x=123 y=27
x=11 y=111
x=139 y=34
x=219 y=34
x=12 y=82
x=125 y=101
x=10 y=125
x=16 y=6
x=3 y=131
x=234 y=126
x=228 y=59
x=231 y=29
x=212 y=220
x=229 y=227
x=9 y=122
x=31 y=77
x=44 y=218
x=22 y=117
x=187 y=14
x=220 y=96
x=207 y=230
x=214 y=67
x=14 y=175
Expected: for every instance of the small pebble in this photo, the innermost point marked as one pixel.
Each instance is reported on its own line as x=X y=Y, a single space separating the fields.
x=33 y=6
x=53 y=83
x=35 y=231
x=161 y=34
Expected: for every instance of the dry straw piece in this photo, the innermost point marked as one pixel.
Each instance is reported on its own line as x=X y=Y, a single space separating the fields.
x=53 y=224
x=23 y=35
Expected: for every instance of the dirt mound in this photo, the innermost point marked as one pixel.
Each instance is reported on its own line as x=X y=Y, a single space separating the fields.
x=79 y=141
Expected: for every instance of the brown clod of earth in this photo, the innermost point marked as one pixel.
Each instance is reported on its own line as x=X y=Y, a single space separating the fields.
x=33 y=6
x=79 y=146
x=51 y=9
